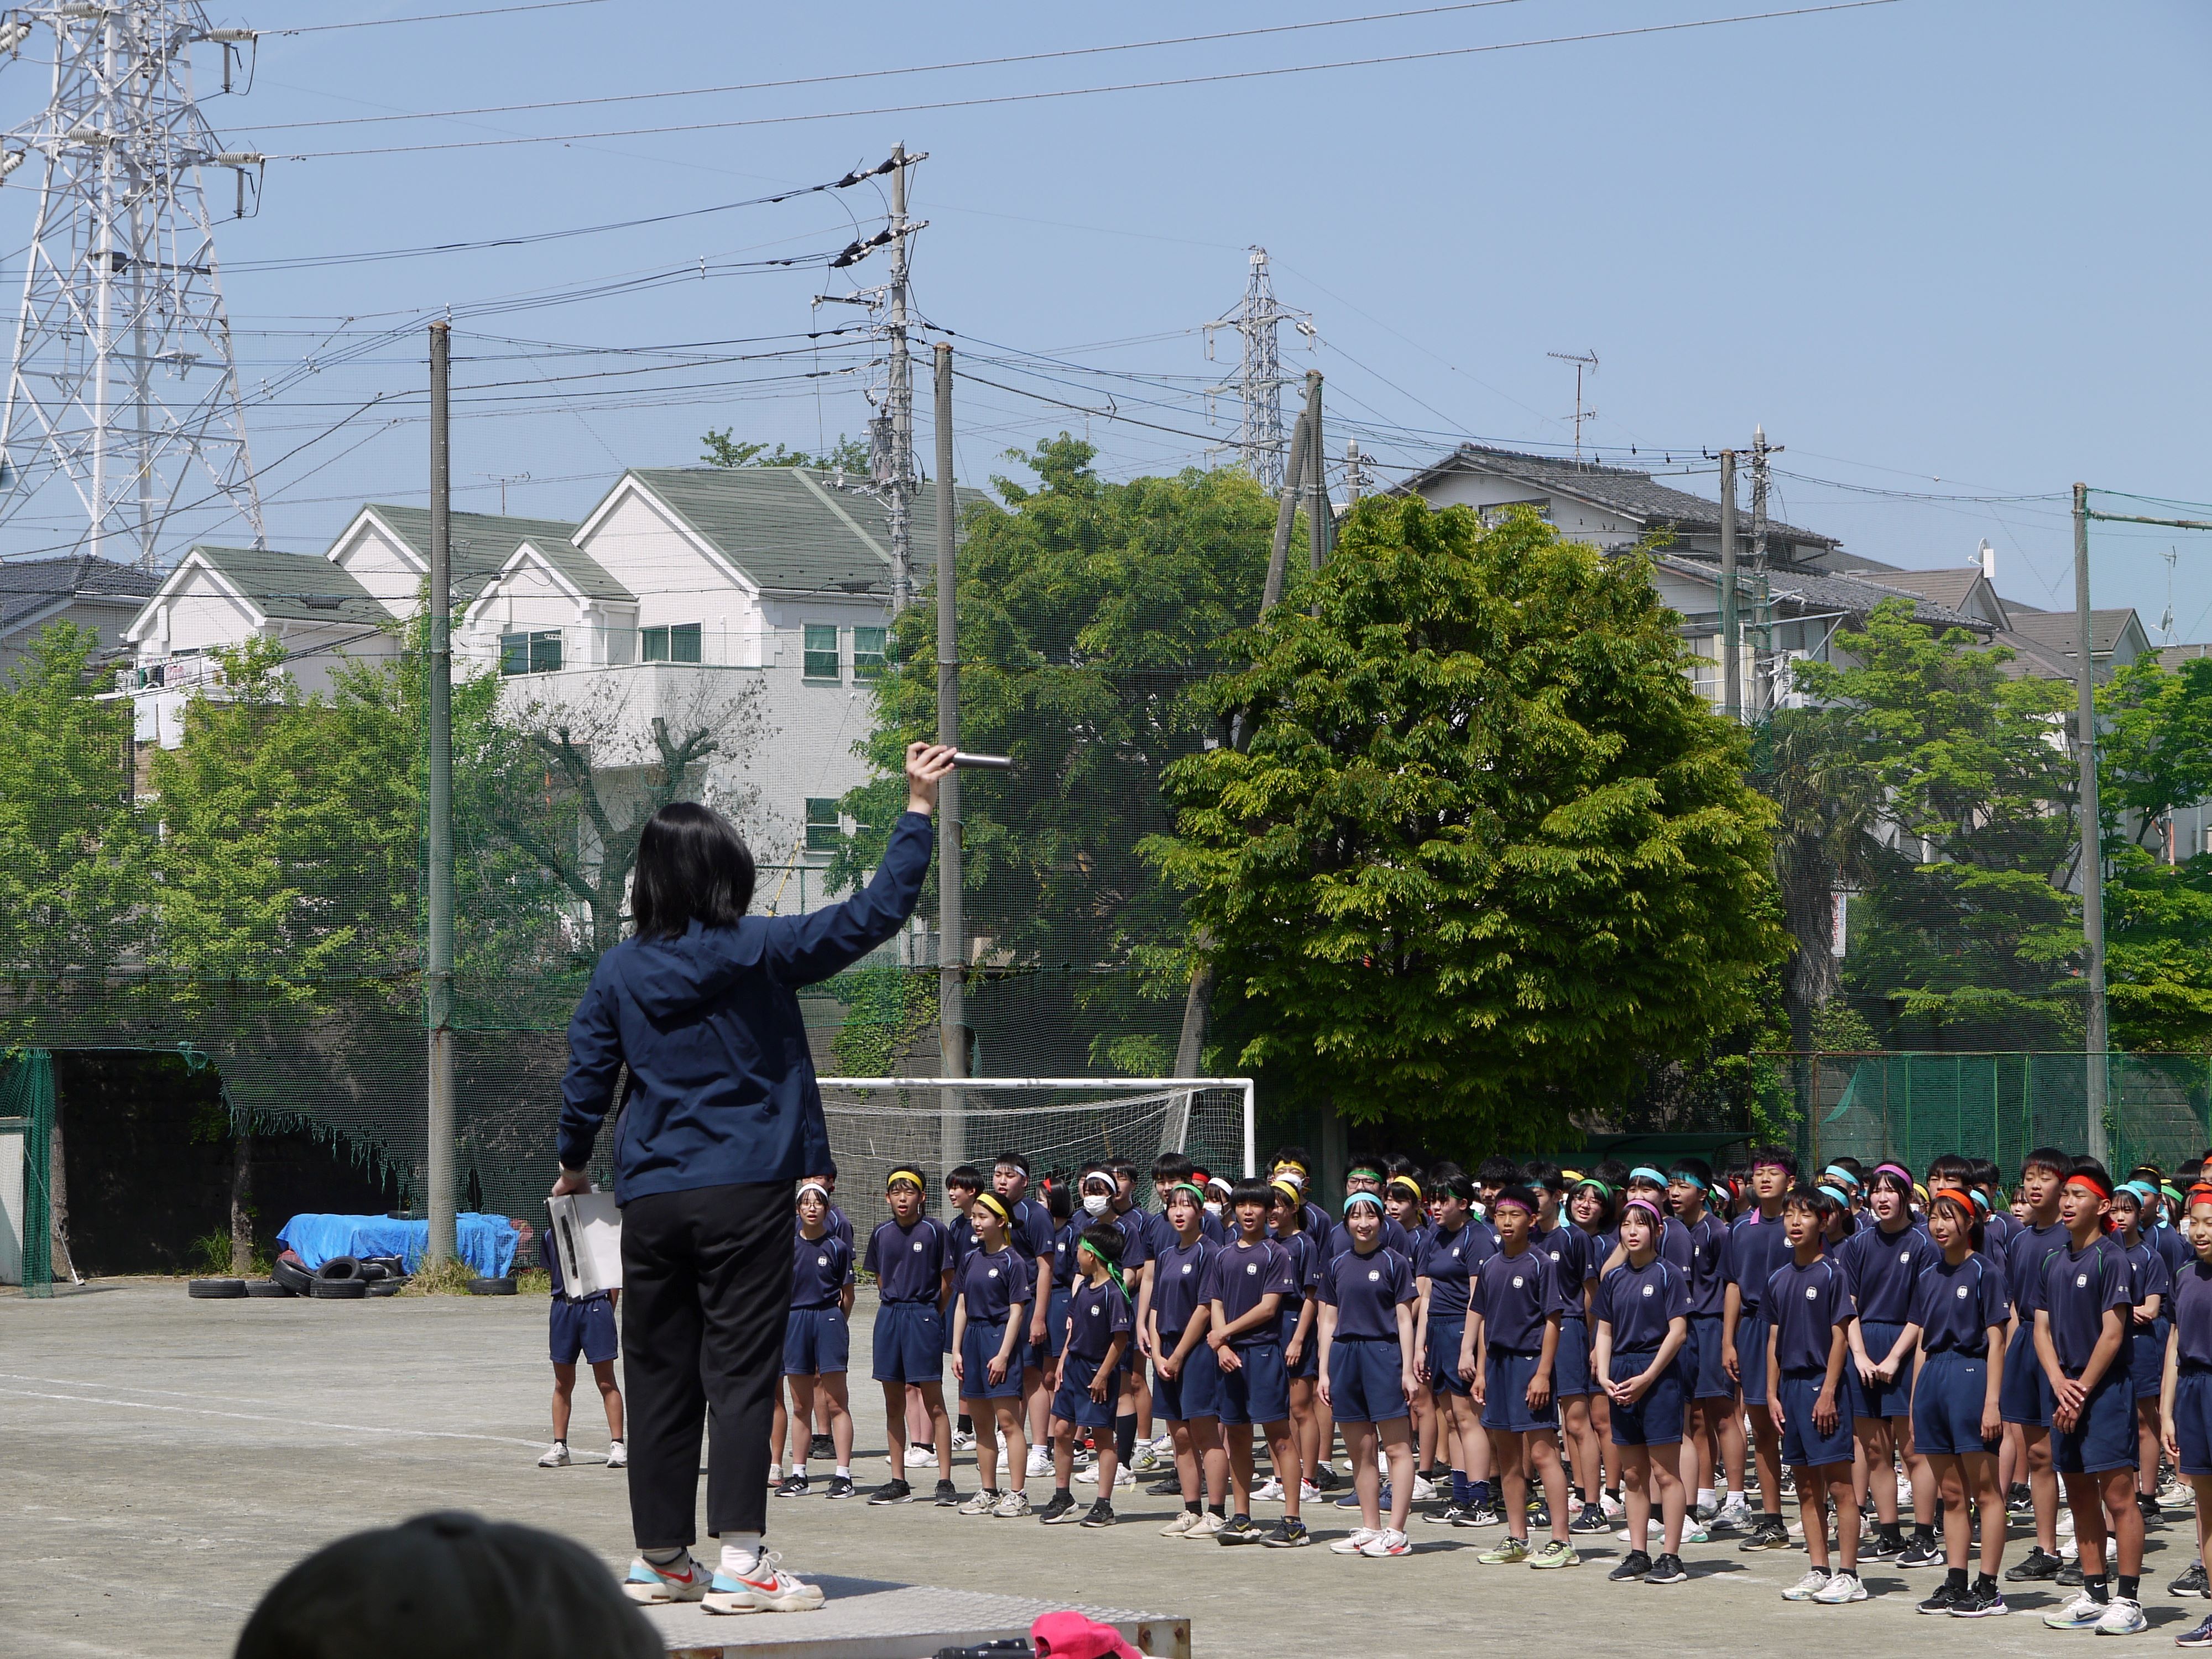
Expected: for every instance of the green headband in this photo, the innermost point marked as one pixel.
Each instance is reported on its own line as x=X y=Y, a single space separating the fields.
x=1192 y=1187
x=1367 y=1169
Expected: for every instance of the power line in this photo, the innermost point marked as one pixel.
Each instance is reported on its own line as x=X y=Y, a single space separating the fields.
x=434 y=17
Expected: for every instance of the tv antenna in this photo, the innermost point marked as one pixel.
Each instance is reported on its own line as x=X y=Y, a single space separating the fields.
x=2165 y=622
x=1581 y=359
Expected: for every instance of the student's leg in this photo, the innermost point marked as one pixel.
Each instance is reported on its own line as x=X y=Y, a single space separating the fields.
x=1136 y=1389
x=2201 y=1484
x=1813 y=1509
x=1674 y=1495
x=1037 y=1402
x=1366 y=1480
x=919 y=1430
x=564 y=1390
x=1009 y=1413
x=1766 y=1454
x=1398 y=1447
x=1728 y=1420
x=2012 y=1457
x=1212 y=1459
x=1922 y=1479
x=1608 y=1455
x=977 y=1410
x=1949 y=1475
x=1239 y=1448
x=603 y=1373
x=1979 y=1474
x=2042 y=1484
x=2086 y=1498
x=1324 y=1438
x=1542 y=1453
x=897 y=1410
x=836 y=1410
x=1847 y=1517
x=1283 y=1448
x=1512 y=1481
x=1305 y=1426
x=2127 y=1521
x=1876 y=1447
x=1063 y=1453
x=802 y=1412
x=940 y=1425
x=1470 y=1446
x=1581 y=1446
x=1696 y=1463
x=1428 y=1421
x=1188 y=1475
x=779 y=1427
x=2148 y=1449
x=1636 y=1494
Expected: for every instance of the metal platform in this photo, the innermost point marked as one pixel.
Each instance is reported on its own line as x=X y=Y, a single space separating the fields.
x=871 y=1619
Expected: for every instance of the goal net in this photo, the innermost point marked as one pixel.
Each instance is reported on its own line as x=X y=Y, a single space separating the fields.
x=1059 y=1124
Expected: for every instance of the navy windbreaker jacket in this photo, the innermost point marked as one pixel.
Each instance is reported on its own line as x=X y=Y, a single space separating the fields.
x=721 y=1085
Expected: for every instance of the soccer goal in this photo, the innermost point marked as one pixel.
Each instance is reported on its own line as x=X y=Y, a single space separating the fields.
x=1059 y=1123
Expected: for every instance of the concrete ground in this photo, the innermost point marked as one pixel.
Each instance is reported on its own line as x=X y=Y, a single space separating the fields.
x=163 y=1460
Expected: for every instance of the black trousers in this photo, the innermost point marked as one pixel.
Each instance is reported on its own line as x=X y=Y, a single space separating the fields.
x=705 y=1295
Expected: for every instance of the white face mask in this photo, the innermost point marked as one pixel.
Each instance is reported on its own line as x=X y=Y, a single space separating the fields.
x=1096 y=1203
x=1214 y=1207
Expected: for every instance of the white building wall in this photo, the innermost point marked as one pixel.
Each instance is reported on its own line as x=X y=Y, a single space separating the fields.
x=380 y=562
x=1577 y=520
x=676 y=580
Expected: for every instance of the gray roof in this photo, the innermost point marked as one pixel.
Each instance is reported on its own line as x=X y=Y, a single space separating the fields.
x=1618 y=489
x=2171 y=657
x=484 y=542
x=296 y=587
x=1951 y=588
x=792 y=530
x=2059 y=631
x=30 y=586
x=1811 y=591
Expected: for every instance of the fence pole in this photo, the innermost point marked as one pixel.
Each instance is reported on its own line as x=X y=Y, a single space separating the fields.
x=439 y=1154
x=951 y=922
x=2093 y=832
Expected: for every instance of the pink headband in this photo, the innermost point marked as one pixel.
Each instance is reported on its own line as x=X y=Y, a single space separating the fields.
x=1644 y=1205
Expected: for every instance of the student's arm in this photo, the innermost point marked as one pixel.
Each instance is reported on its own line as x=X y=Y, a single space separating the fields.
x=1602 y=1360
x=1192 y=1335
x=1422 y=1285
x=1892 y=1363
x=1109 y=1365
x=1678 y=1333
x=1774 y=1380
x=1327 y=1341
x=1731 y=1312
x=959 y=1330
x=1825 y=1414
x=1263 y=1310
x=1992 y=1413
x=1303 y=1333
x=2165 y=1429
x=1042 y=1305
x=1007 y=1344
x=2066 y=1394
x=945 y=1293
x=1540 y=1385
x=2108 y=1349
x=1217 y=1338
x=1147 y=1338
x=2147 y=1310
x=1406 y=1347
x=1474 y=1349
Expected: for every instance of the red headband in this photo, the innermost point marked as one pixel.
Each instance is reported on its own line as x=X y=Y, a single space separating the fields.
x=2089 y=1183
x=2203 y=1189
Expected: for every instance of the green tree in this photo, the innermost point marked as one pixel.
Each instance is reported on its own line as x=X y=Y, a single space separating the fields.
x=1488 y=853
x=723 y=449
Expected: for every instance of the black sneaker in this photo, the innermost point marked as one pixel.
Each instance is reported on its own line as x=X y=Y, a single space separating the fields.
x=1984 y=1601
x=1060 y=1512
x=1480 y=1515
x=1667 y=1570
x=1100 y=1514
x=2152 y=1516
x=1446 y=1516
x=892 y=1492
x=2020 y=1500
x=841 y=1486
x=948 y=1495
x=1170 y=1487
x=1767 y=1533
x=794 y=1485
x=1881 y=1546
x=822 y=1446
x=2038 y=1567
x=1288 y=1534
x=2191 y=1582
x=1946 y=1597
x=1238 y=1530
x=1634 y=1564
x=2201 y=1637
x=2069 y=1576
x=1921 y=1553
x=1326 y=1479
x=1540 y=1516
x=1592 y=1519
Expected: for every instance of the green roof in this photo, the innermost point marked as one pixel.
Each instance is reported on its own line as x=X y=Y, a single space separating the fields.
x=297 y=587
x=484 y=542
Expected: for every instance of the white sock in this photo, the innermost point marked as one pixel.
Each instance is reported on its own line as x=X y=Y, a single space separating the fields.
x=773 y=1473
x=846 y=1470
x=741 y=1552
x=1706 y=1496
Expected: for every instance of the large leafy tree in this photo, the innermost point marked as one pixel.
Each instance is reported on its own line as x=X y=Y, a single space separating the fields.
x=1487 y=854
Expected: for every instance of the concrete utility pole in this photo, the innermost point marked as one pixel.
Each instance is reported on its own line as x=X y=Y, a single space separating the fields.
x=1355 y=473
x=1731 y=666
x=1321 y=522
x=1759 y=452
x=892 y=459
x=438 y=981
x=2096 y=1039
x=951 y=920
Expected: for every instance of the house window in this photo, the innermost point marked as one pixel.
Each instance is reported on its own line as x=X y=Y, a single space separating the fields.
x=823 y=829
x=653 y=645
x=820 y=662
x=680 y=643
x=868 y=653
x=536 y=653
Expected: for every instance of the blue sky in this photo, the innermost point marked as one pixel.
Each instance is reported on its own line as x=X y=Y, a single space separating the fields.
x=1940 y=248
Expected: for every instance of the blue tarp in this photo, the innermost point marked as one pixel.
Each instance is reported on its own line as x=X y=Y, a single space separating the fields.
x=486 y=1242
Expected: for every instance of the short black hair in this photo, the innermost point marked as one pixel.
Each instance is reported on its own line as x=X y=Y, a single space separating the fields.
x=1847 y=1162
x=1952 y=1167
x=1122 y=1169
x=1612 y=1172
x=1292 y=1154
x=1172 y=1166
x=1013 y=1160
x=692 y=865
x=1985 y=1173
x=2192 y=1170
x=1104 y=1240
x=1397 y=1163
x=1516 y=1192
x=1060 y=1201
x=964 y=1174
x=1456 y=1185
x=2047 y=1158
x=2093 y=1168
x=1497 y=1170
x=1443 y=1170
x=1781 y=1157
x=1821 y=1204
x=1250 y=1189
x=1542 y=1172
x=1697 y=1168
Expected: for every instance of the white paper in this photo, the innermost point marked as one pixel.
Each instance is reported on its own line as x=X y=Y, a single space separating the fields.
x=587 y=1235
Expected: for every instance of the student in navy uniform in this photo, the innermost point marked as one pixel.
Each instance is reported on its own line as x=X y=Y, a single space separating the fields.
x=990 y=1327
x=2147 y=1330
x=2185 y=1397
x=1066 y=1235
x=2081 y=1339
x=2026 y=1406
x=961 y=1186
x=1101 y=1315
x=1365 y=1176
x=1808 y=1304
x=817 y=1342
x=580 y=1325
x=911 y=1256
x=1758 y=1245
x=1367 y=1373
x=840 y=1227
x=1406 y=1201
x=1132 y=1418
x=1456 y=1247
x=1643 y=1308
x=1577 y=1251
x=1957 y=1322
x=1715 y=1431
x=1300 y=1322
x=1030 y=1230
x=1998 y=1227
x=1512 y=1342
x=1295 y=1164
x=1883 y=1259
x=1247 y=1282
x=1186 y=1379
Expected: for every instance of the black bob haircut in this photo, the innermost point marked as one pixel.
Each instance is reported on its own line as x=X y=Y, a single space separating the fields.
x=1104 y=1240
x=2048 y=1157
x=692 y=865
x=966 y=1177
x=1250 y=1189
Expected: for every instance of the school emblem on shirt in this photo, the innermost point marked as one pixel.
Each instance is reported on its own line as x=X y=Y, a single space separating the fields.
x=917 y=1247
x=1647 y=1289
x=1186 y=1266
x=1962 y=1293
x=1373 y=1275
x=1812 y=1293
x=1903 y=1256
x=1252 y=1268
x=821 y=1260
x=1516 y=1281
x=1095 y=1310
x=2081 y=1281
x=994 y=1273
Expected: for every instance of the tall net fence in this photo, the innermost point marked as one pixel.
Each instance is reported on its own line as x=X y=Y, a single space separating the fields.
x=27 y=1120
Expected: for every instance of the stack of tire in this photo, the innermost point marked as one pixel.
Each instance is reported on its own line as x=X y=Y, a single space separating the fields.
x=341 y=1279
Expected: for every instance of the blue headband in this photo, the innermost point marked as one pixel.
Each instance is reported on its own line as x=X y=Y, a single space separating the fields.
x=2142 y=1190
x=1841 y=1173
x=1362 y=1198
x=1646 y=1172
x=1838 y=1195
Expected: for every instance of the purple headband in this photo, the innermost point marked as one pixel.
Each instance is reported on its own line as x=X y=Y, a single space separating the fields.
x=1646 y=1205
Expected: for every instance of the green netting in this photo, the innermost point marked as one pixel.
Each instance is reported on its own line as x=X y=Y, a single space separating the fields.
x=27 y=1116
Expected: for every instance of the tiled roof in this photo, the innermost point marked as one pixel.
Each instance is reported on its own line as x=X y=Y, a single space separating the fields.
x=1816 y=591
x=297 y=587
x=2171 y=657
x=30 y=586
x=483 y=542
x=2059 y=631
x=1949 y=587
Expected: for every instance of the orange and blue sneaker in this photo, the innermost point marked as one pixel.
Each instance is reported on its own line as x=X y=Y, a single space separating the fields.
x=684 y=1579
x=766 y=1589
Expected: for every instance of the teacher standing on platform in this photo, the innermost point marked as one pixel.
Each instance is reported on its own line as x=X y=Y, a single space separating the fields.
x=721 y=1117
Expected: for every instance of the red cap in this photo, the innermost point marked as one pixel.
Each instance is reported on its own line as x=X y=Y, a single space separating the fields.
x=1071 y=1635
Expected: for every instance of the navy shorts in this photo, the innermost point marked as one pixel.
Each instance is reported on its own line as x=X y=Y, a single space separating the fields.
x=1505 y=1395
x=1258 y=1389
x=1656 y=1418
x=2021 y=1394
x=816 y=1342
x=1366 y=1380
x=1571 y=1375
x=1445 y=1335
x=1751 y=1356
x=1195 y=1391
x=1890 y=1399
x=1947 y=1404
x=1703 y=1350
x=1055 y=1322
x=2103 y=1436
x=909 y=1343
x=1072 y=1401
x=587 y=1328
x=1803 y=1445
x=979 y=1346
x=2147 y=1356
x=2192 y=1419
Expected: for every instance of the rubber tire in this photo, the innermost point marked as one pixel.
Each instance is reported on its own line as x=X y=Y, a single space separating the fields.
x=375 y=1271
x=339 y=1290
x=216 y=1290
x=266 y=1288
x=340 y=1270
x=492 y=1287
x=293 y=1275
x=383 y=1287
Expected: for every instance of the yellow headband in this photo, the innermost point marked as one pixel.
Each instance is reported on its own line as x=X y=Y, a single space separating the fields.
x=997 y=1208
x=1409 y=1184
x=1289 y=1189
x=904 y=1174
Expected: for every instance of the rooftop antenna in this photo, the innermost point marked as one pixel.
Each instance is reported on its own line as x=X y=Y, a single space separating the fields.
x=503 y=479
x=1581 y=359
x=2165 y=622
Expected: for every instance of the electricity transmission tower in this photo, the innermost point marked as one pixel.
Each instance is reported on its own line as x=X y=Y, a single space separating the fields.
x=1259 y=384
x=123 y=384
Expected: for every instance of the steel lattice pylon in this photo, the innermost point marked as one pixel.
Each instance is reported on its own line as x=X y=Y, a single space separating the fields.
x=123 y=382
x=1259 y=383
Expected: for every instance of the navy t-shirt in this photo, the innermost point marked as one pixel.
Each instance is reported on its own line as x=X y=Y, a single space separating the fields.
x=1883 y=1266
x=1096 y=1314
x=1954 y=1307
x=962 y=1233
x=1448 y=1261
x=1063 y=1256
x=1178 y=1272
x=909 y=1262
x=990 y=1284
x=2192 y=1314
x=2028 y=1257
x=1516 y=1295
x=1568 y=1248
x=1366 y=1290
x=1238 y=1276
x=1673 y=1243
x=2078 y=1288
x=821 y=1268
x=2152 y=1276
x=2174 y=1247
x=1029 y=1229
x=1998 y=1228
x=1805 y=1304
x=1394 y=1238
x=1708 y=1264
x=1756 y=1248
x=1640 y=1302
x=1135 y=1240
x=1305 y=1273
x=836 y=1222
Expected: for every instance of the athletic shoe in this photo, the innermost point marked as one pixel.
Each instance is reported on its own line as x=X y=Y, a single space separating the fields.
x=1040 y=1460
x=1766 y=1533
x=821 y=1446
x=774 y=1475
x=2021 y=1500
x=1734 y=1515
x=1388 y=1541
x=1695 y=1531
x=1880 y=1546
x=1981 y=1604
x=841 y=1486
x=2080 y=1613
x=1921 y=1553
x=1237 y=1529
x=1325 y=1478
x=1181 y=1526
x=948 y=1495
x=1667 y=1570
x=618 y=1456
x=2065 y=1522
x=2191 y=1582
x=1508 y=1551
x=1841 y=1588
x=1208 y=1524
x=963 y=1441
x=1353 y=1542
x=1592 y=1519
x=891 y=1491
x=2038 y=1567
x=1100 y=1514
x=1059 y=1511
x=1481 y=1514
x=1814 y=1581
x=1944 y=1599
x=766 y=1589
x=1170 y=1488
x=1446 y=1516
x=1268 y=1491
x=1634 y=1564
x=2176 y=1493
x=1289 y=1534
x=1555 y=1555
x=1351 y=1499
x=2123 y=1617
x=1148 y=1457
x=1309 y=1492
x=983 y=1503
x=920 y=1457
x=1012 y=1506
x=2201 y=1637
x=1424 y=1489
x=2069 y=1576
x=685 y=1580
x=557 y=1456
x=1086 y=1474
x=794 y=1485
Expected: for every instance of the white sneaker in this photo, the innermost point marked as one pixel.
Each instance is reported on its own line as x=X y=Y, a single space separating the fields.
x=1180 y=1525
x=917 y=1457
x=1205 y=1526
x=963 y=1441
x=1424 y=1489
x=1040 y=1460
x=1002 y=1443
x=1148 y=1459
x=1814 y=1581
x=1271 y=1491
x=618 y=1456
x=1087 y=1476
x=1353 y=1543
x=1012 y=1506
x=1842 y=1588
x=1388 y=1541
x=1695 y=1532
x=2123 y=1618
x=1613 y=1508
x=557 y=1456
x=1307 y=1492
x=680 y=1580
x=2065 y=1522
x=2084 y=1612
x=1123 y=1478
x=981 y=1504
x=766 y=1589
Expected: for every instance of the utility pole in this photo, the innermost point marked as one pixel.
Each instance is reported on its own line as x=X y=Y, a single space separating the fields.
x=439 y=985
x=1321 y=522
x=2095 y=1038
x=1731 y=670
x=1759 y=452
x=892 y=432
x=951 y=920
x=1355 y=473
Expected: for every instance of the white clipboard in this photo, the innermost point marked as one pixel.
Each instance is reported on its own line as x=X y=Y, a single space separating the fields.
x=588 y=1236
